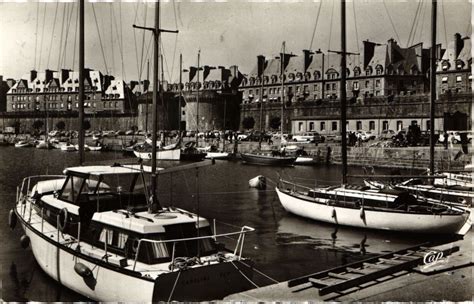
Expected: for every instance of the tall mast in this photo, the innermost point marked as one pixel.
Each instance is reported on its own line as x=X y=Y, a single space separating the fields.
x=146 y=100
x=433 y=84
x=343 y=92
x=197 y=99
x=180 y=90
x=282 y=66
x=155 y=205
x=81 y=82
x=261 y=96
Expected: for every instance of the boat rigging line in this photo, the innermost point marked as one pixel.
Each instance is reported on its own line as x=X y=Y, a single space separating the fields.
x=413 y=25
x=391 y=21
x=315 y=25
x=100 y=39
x=42 y=37
x=75 y=41
x=355 y=27
x=52 y=34
x=61 y=36
x=36 y=33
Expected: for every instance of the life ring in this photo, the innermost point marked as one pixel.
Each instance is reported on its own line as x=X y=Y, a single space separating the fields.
x=62 y=219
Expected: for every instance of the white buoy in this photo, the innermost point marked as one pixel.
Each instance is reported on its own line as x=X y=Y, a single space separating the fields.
x=259 y=182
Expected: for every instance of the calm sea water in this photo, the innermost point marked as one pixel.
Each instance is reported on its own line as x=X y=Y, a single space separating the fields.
x=283 y=246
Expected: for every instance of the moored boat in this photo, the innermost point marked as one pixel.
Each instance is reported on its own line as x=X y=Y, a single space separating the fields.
x=99 y=238
x=67 y=147
x=174 y=154
x=23 y=144
x=362 y=207
x=267 y=159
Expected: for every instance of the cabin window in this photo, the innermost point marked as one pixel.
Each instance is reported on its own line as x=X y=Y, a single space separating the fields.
x=72 y=188
x=113 y=238
x=160 y=250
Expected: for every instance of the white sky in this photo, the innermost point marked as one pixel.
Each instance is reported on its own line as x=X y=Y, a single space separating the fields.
x=228 y=33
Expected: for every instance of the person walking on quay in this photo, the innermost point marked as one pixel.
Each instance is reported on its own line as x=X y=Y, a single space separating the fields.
x=445 y=140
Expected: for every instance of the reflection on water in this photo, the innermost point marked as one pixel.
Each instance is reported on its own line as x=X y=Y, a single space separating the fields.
x=283 y=246
x=294 y=230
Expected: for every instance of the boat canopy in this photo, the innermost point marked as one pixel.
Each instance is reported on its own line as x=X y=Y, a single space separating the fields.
x=86 y=171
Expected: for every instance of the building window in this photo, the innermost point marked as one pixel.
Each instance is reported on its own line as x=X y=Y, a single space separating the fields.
x=355 y=85
x=377 y=83
x=367 y=82
x=377 y=93
x=458 y=78
x=428 y=123
x=316 y=88
x=257 y=91
x=300 y=126
x=399 y=125
x=334 y=86
x=359 y=125
x=371 y=125
x=322 y=126
x=334 y=125
x=384 y=125
x=311 y=126
x=444 y=79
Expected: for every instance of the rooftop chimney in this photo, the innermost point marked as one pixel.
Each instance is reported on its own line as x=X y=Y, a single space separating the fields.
x=260 y=65
x=33 y=75
x=307 y=58
x=458 y=45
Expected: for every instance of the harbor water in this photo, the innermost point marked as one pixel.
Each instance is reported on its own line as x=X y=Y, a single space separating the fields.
x=283 y=246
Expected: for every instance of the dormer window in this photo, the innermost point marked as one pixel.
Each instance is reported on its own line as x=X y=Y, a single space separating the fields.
x=252 y=80
x=274 y=78
x=445 y=65
x=378 y=70
x=299 y=76
x=307 y=76
x=356 y=71
x=368 y=71
x=317 y=75
x=266 y=79
x=459 y=64
x=291 y=77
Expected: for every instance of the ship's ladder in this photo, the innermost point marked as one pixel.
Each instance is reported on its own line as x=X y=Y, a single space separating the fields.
x=354 y=275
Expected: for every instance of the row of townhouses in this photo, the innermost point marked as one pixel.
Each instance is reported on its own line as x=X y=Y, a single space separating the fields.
x=387 y=88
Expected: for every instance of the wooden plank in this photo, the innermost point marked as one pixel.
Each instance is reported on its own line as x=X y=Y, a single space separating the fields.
x=381 y=272
x=378 y=266
x=340 y=276
x=304 y=279
x=405 y=257
x=391 y=261
x=317 y=282
x=359 y=270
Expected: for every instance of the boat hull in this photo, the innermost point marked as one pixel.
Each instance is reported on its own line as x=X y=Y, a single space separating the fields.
x=217 y=155
x=372 y=219
x=59 y=264
x=174 y=154
x=193 y=156
x=257 y=159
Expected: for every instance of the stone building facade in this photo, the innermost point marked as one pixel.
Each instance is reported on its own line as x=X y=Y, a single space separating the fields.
x=59 y=91
x=384 y=84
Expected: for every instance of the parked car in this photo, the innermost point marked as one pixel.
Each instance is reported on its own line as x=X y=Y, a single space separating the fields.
x=455 y=136
x=242 y=136
x=312 y=137
x=129 y=132
x=365 y=135
x=256 y=135
x=387 y=135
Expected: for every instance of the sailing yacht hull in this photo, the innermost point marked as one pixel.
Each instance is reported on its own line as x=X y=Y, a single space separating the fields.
x=174 y=154
x=308 y=207
x=217 y=155
x=106 y=284
x=267 y=160
x=57 y=257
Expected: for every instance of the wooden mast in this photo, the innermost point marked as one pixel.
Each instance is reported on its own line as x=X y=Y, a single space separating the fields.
x=180 y=91
x=81 y=82
x=282 y=66
x=343 y=92
x=433 y=85
x=155 y=205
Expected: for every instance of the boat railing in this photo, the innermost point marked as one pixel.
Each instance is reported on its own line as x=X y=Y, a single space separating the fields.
x=27 y=184
x=238 y=249
x=294 y=186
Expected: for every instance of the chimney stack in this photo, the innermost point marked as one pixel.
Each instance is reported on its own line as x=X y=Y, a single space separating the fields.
x=307 y=58
x=260 y=65
x=33 y=75
x=458 y=45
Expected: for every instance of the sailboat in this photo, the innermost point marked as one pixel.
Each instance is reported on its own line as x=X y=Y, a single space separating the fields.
x=361 y=206
x=455 y=188
x=101 y=231
x=273 y=158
